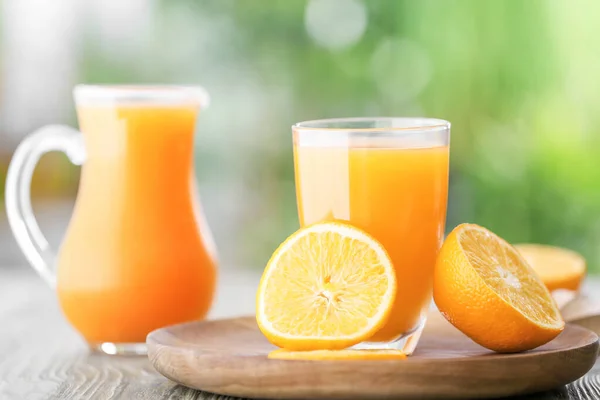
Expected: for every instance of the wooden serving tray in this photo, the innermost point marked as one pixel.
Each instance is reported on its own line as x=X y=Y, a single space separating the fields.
x=229 y=357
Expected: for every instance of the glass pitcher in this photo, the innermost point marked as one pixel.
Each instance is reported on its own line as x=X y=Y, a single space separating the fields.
x=137 y=254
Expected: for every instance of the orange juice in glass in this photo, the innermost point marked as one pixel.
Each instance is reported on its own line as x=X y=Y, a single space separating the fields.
x=389 y=177
x=137 y=254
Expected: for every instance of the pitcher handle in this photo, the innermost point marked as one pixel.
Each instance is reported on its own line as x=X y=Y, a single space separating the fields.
x=18 y=201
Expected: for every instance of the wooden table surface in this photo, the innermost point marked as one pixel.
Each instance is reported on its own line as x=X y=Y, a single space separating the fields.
x=41 y=357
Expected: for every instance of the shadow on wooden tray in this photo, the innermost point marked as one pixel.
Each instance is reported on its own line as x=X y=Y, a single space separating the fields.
x=572 y=391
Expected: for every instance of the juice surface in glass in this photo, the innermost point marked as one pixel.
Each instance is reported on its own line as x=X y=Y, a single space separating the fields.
x=136 y=255
x=395 y=193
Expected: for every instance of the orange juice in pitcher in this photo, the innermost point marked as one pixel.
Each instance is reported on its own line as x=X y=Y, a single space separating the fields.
x=137 y=254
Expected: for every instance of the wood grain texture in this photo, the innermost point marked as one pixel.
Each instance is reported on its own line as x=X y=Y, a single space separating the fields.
x=41 y=357
x=229 y=357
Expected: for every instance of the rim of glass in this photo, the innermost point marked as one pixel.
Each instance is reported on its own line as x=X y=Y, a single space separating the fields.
x=333 y=124
x=152 y=93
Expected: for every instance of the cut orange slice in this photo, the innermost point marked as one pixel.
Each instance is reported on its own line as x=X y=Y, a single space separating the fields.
x=558 y=268
x=328 y=286
x=485 y=288
x=333 y=355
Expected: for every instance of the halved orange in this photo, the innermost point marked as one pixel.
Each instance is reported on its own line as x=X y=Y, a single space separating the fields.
x=485 y=288
x=328 y=286
x=334 y=355
x=557 y=267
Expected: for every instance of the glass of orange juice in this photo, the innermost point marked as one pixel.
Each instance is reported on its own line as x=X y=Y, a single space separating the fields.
x=389 y=177
x=137 y=254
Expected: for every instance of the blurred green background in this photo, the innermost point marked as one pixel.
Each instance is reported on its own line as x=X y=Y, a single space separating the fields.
x=518 y=80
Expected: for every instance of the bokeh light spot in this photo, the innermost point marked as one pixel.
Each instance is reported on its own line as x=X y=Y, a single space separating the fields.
x=401 y=68
x=335 y=24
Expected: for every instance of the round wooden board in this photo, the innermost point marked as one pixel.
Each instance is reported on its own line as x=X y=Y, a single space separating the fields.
x=229 y=357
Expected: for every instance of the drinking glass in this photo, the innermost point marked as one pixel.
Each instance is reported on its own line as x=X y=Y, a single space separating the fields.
x=389 y=177
x=137 y=254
